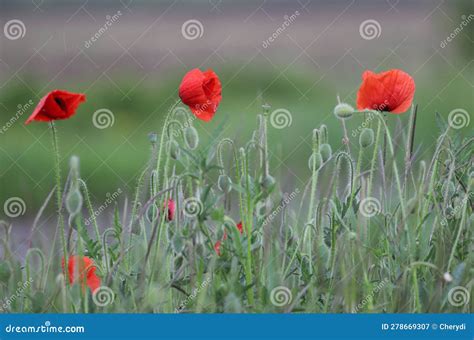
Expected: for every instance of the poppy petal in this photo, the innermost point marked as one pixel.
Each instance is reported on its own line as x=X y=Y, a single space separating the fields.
x=201 y=92
x=390 y=91
x=57 y=104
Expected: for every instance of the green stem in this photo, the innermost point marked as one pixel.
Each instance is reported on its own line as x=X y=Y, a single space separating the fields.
x=374 y=158
x=59 y=204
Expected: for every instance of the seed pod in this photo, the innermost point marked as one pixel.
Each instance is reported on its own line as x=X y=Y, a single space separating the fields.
x=325 y=151
x=174 y=149
x=74 y=202
x=343 y=111
x=366 y=138
x=152 y=213
x=191 y=137
x=315 y=161
x=449 y=188
x=224 y=183
x=344 y=174
x=153 y=137
x=267 y=182
x=177 y=244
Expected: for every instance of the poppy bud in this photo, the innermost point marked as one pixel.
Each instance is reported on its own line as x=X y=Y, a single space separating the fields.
x=352 y=235
x=343 y=111
x=74 y=202
x=174 y=149
x=325 y=151
x=366 y=138
x=151 y=213
x=224 y=183
x=315 y=161
x=449 y=188
x=153 y=137
x=191 y=137
x=344 y=174
x=177 y=243
x=267 y=181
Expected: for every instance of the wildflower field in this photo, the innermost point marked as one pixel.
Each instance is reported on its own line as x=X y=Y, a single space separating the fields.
x=380 y=224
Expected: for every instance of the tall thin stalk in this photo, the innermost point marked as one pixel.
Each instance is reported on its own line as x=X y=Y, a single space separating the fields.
x=57 y=170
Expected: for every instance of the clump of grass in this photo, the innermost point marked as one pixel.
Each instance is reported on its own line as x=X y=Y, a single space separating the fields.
x=367 y=233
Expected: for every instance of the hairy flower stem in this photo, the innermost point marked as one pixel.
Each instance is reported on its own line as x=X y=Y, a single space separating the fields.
x=162 y=145
x=59 y=203
x=403 y=210
x=374 y=159
x=246 y=212
x=264 y=141
x=134 y=212
x=356 y=177
x=314 y=183
x=409 y=146
x=461 y=224
x=90 y=208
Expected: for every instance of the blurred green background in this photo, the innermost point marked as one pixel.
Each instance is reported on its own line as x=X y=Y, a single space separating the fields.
x=135 y=67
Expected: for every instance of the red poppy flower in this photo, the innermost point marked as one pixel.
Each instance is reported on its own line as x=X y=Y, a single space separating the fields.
x=201 y=91
x=390 y=91
x=84 y=274
x=55 y=105
x=171 y=209
x=217 y=245
x=217 y=248
x=240 y=227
